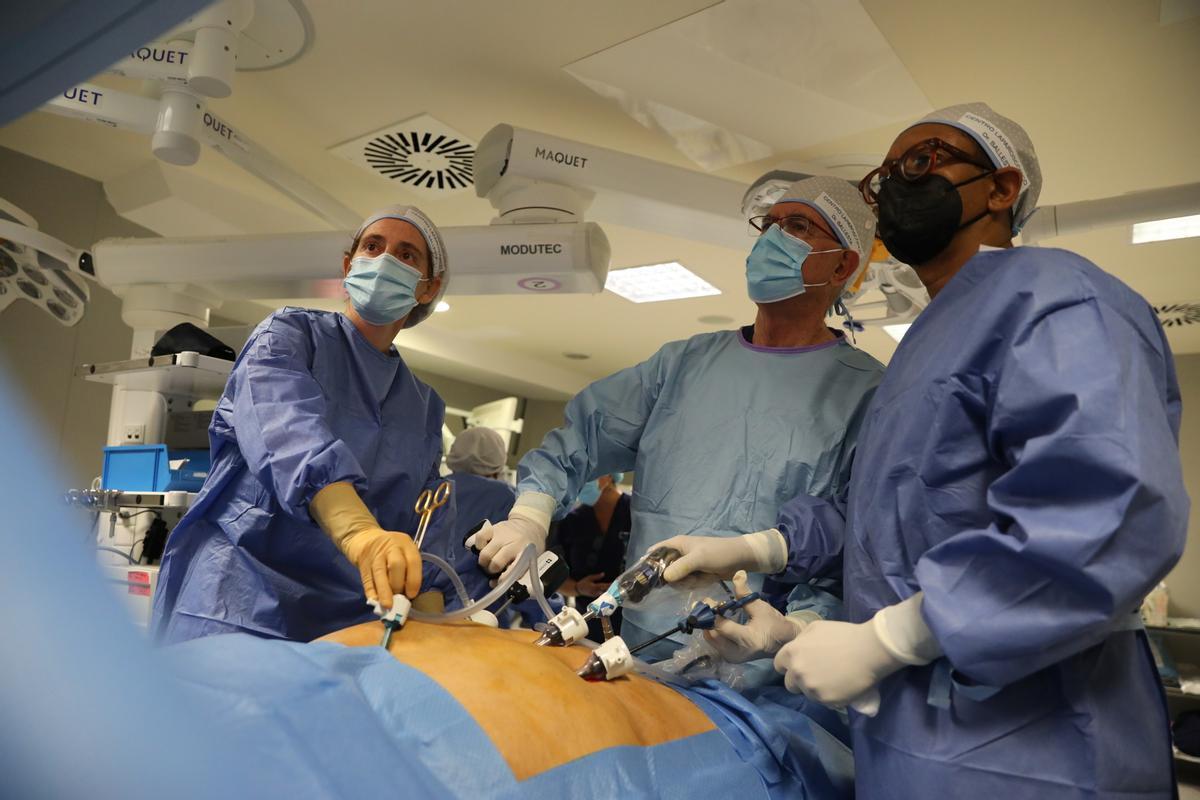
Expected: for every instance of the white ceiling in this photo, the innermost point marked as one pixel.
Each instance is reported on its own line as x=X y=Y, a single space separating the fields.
x=1107 y=92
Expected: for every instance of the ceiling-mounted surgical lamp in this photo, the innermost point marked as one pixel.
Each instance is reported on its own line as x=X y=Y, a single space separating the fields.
x=196 y=61
x=40 y=269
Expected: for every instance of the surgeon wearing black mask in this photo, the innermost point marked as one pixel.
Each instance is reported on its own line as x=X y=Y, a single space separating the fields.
x=939 y=198
x=1017 y=490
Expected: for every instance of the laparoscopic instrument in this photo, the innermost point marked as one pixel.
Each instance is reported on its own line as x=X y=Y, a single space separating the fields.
x=614 y=658
x=631 y=586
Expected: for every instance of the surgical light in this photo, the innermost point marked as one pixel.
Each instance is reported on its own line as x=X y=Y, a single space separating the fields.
x=441 y=307
x=657 y=282
x=897 y=331
x=1161 y=230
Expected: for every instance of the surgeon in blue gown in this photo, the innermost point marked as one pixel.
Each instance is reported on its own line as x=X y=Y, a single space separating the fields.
x=1017 y=491
x=476 y=460
x=321 y=444
x=722 y=428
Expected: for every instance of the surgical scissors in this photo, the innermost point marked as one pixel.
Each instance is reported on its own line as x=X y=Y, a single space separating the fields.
x=429 y=501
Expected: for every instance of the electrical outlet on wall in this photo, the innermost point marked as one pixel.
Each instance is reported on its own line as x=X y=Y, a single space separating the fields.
x=134 y=434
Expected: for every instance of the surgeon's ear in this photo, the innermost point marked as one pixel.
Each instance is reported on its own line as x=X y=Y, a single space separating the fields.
x=345 y=265
x=431 y=292
x=845 y=267
x=1006 y=188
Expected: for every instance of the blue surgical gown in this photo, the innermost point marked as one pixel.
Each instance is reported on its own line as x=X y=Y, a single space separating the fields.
x=310 y=402
x=1020 y=465
x=719 y=433
x=478 y=498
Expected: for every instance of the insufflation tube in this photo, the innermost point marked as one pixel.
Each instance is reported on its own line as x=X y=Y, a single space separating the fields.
x=524 y=564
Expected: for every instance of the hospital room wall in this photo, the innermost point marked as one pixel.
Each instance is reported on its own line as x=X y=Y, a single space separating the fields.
x=541 y=416
x=1184 y=580
x=38 y=355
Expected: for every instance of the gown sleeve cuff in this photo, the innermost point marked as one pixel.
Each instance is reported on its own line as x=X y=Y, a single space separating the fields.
x=770 y=551
x=536 y=507
x=903 y=632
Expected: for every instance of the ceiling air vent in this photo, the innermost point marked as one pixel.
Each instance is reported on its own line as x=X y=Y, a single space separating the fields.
x=1173 y=315
x=421 y=153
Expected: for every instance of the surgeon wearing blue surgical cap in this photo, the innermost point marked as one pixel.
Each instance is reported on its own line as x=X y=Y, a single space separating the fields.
x=722 y=428
x=1016 y=493
x=321 y=444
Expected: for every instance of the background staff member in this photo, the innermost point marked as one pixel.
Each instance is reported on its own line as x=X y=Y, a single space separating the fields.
x=592 y=539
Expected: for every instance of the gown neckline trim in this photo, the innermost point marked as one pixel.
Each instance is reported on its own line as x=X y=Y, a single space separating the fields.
x=744 y=337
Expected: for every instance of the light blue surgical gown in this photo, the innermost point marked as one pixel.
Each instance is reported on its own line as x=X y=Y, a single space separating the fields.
x=719 y=433
x=1020 y=465
x=310 y=402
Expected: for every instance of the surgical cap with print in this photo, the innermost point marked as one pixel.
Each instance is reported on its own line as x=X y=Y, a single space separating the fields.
x=1004 y=142
x=841 y=206
x=433 y=242
x=480 y=451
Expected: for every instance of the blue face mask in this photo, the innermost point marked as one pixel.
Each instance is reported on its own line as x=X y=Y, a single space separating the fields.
x=590 y=493
x=773 y=268
x=382 y=289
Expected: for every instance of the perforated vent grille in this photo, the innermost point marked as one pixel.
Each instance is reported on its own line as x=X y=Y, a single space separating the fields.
x=423 y=159
x=422 y=153
x=1176 y=314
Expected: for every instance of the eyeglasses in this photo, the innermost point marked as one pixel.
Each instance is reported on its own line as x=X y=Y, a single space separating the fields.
x=795 y=225
x=917 y=162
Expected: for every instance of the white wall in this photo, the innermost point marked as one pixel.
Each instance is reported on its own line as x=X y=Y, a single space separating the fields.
x=541 y=416
x=37 y=354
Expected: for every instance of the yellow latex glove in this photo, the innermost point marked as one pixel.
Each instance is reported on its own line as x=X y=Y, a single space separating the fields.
x=388 y=561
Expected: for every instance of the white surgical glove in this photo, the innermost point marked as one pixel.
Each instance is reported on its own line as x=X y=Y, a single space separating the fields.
x=721 y=556
x=764 y=633
x=527 y=523
x=842 y=663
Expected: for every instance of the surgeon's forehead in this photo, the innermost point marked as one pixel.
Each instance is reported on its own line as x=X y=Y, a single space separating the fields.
x=793 y=209
x=396 y=230
x=934 y=130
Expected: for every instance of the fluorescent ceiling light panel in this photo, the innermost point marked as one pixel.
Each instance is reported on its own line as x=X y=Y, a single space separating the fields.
x=656 y=282
x=1161 y=230
x=897 y=331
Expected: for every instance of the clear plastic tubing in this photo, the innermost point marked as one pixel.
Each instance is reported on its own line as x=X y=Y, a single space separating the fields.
x=452 y=574
x=524 y=562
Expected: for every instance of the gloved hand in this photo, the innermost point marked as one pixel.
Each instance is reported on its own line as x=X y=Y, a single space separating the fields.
x=764 y=633
x=388 y=562
x=721 y=556
x=527 y=523
x=842 y=663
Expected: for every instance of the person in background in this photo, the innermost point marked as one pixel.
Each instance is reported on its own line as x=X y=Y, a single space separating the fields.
x=592 y=539
x=476 y=460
